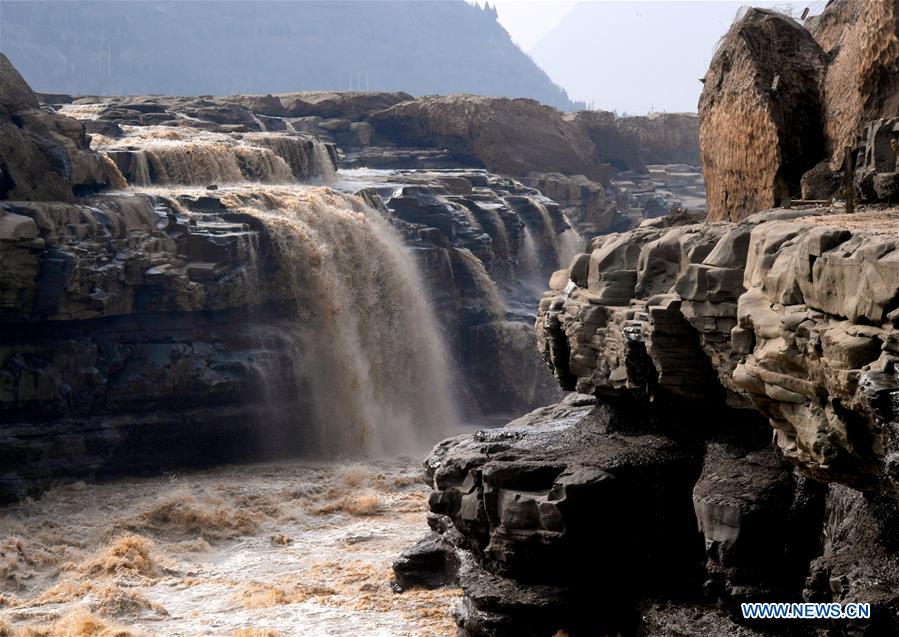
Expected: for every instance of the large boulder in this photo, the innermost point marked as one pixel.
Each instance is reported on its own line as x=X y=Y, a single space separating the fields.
x=43 y=156
x=760 y=114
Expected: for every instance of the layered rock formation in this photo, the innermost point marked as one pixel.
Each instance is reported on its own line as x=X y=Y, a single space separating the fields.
x=226 y=306
x=782 y=104
x=697 y=340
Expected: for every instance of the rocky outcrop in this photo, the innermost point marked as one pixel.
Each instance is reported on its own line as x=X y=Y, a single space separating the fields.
x=510 y=136
x=125 y=327
x=43 y=156
x=782 y=104
x=860 y=83
x=760 y=114
x=586 y=203
x=530 y=501
x=664 y=138
x=695 y=339
x=877 y=169
x=485 y=243
x=792 y=316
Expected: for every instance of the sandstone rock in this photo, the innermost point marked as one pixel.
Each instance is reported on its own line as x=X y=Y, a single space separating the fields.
x=510 y=136
x=352 y=105
x=860 y=82
x=664 y=138
x=42 y=155
x=15 y=94
x=783 y=315
x=760 y=114
x=584 y=201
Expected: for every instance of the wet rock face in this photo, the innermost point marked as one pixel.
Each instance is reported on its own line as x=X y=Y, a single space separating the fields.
x=859 y=560
x=126 y=329
x=534 y=499
x=470 y=231
x=43 y=156
x=760 y=114
x=740 y=498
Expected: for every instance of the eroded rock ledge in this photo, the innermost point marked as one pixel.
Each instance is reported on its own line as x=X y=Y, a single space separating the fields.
x=698 y=340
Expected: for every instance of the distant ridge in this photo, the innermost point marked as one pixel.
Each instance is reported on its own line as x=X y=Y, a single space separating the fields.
x=119 y=48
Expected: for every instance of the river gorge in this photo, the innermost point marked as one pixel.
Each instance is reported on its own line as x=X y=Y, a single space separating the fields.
x=364 y=363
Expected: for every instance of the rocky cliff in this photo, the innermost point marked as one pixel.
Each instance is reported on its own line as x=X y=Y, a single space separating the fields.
x=784 y=103
x=44 y=156
x=224 y=305
x=733 y=433
x=696 y=342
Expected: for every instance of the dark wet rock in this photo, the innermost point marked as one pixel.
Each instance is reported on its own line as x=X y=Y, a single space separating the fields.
x=536 y=498
x=431 y=563
x=860 y=560
x=739 y=499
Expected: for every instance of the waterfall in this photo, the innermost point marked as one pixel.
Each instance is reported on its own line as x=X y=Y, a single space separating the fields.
x=322 y=163
x=530 y=270
x=200 y=163
x=571 y=243
x=371 y=356
x=165 y=155
x=549 y=228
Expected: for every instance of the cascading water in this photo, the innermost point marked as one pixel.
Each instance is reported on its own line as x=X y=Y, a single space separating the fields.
x=372 y=357
x=571 y=243
x=324 y=166
x=200 y=163
x=549 y=228
x=166 y=155
x=530 y=272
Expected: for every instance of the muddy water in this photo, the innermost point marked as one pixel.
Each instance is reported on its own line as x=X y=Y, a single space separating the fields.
x=260 y=550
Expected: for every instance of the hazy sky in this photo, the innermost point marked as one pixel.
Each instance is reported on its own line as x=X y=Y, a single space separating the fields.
x=629 y=56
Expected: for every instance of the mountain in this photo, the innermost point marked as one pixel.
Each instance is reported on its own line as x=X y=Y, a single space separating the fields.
x=192 y=48
x=639 y=56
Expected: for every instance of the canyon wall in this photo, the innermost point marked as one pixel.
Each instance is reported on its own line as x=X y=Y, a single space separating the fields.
x=202 y=290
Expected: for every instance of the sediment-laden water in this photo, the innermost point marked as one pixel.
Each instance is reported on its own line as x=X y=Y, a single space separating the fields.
x=250 y=551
